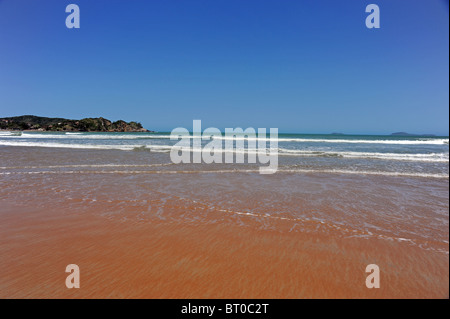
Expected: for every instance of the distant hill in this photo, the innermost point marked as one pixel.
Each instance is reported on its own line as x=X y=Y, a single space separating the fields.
x=39 y=123
x=408 y=134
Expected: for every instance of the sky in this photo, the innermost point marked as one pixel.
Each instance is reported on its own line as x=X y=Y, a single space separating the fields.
x=300 y=66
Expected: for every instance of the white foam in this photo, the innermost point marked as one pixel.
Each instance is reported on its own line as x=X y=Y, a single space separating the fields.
x=291 y=171
x=86 y=166
x=64 y=145
x=431 y=157
x=87 y=136
x=379 y=173
x=122 y=136
x=433 y=141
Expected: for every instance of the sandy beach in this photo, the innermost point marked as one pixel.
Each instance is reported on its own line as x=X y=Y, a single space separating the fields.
x=120 y=259
x=150 y=234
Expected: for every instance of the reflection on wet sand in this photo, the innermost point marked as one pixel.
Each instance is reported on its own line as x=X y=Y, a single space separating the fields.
x=216 y=234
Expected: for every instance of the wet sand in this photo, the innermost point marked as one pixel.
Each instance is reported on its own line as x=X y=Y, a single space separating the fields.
x=148 y=234
x=124 y=259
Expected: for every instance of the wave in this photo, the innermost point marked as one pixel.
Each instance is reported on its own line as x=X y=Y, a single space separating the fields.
x=74 y=146
x=430 y=157
x=143 y=136
x=90 y=136
x=433 y=141
x=417 y=141
x=8 y=134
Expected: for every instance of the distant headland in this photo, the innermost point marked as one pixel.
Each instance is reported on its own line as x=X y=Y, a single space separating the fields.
x=408 y=134
x=39 y=123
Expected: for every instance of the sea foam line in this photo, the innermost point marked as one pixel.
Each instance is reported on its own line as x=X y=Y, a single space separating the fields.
x=294 y=171
x=118 y=136
x=86 y=165
x=73 y=146
x=432 y=157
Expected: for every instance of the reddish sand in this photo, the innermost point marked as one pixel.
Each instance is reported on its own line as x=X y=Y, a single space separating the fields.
x=158 y=259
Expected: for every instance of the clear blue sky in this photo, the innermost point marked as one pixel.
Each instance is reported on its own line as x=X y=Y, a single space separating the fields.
x=302 y=66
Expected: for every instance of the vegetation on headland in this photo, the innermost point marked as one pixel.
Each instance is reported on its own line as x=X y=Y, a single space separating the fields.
x=38 y=123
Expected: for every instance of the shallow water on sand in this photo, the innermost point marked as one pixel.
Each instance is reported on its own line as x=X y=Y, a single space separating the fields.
x=306 y=217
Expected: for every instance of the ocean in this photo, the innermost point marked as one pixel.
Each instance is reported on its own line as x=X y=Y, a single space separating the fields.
x=345 y=154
